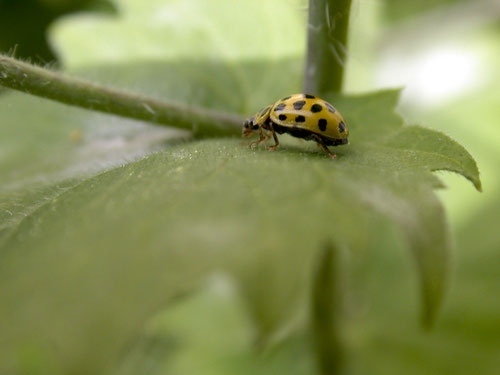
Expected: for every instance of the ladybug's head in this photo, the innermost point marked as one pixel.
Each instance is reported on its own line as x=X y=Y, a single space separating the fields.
x=249 y=127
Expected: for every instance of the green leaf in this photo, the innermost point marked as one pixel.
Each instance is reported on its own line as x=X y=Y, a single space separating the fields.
x=177 y=341
x=159 y=225
x=436 y=151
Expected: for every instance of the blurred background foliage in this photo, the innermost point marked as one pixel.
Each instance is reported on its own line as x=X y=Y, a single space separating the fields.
x=445 y=53
x=24 y=24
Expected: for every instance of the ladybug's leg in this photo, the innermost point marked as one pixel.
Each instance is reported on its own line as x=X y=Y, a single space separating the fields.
x=324 y=147
x=262 y=138
x=272 y=148
x=267 y=135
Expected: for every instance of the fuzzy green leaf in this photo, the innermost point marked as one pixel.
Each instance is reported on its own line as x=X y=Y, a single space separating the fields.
x=142 y=233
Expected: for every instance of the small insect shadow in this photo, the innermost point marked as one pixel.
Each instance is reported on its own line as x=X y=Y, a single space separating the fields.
x=300 y=150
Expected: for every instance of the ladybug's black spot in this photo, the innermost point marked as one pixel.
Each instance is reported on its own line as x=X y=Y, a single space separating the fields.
x=316 y=108
x=309 y=96
x=263 y=112
x=300 y=118
x=341 y=127
x=330 y=107
x=322 y=124
x=286 y=98
x=299 y=104
x=282 y=117
x=279 y=107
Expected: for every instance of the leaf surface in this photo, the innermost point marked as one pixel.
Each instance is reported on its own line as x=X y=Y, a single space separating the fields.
x=162 y=223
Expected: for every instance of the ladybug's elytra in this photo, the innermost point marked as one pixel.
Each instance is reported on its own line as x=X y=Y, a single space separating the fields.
x=303 y=116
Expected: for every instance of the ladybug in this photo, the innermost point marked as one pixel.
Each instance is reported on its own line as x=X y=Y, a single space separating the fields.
x=303 y=116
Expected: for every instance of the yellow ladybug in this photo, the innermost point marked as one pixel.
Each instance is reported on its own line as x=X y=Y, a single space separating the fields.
x=303 y=116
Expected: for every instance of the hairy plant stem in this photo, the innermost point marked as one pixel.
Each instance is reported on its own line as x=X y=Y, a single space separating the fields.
x=325 y=311
x=326 y=45
x=325 y=60
x=49 y=84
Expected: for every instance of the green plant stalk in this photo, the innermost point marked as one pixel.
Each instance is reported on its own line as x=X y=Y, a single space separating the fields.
x=326 y=45
x=52 y=85
x=325 y=313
